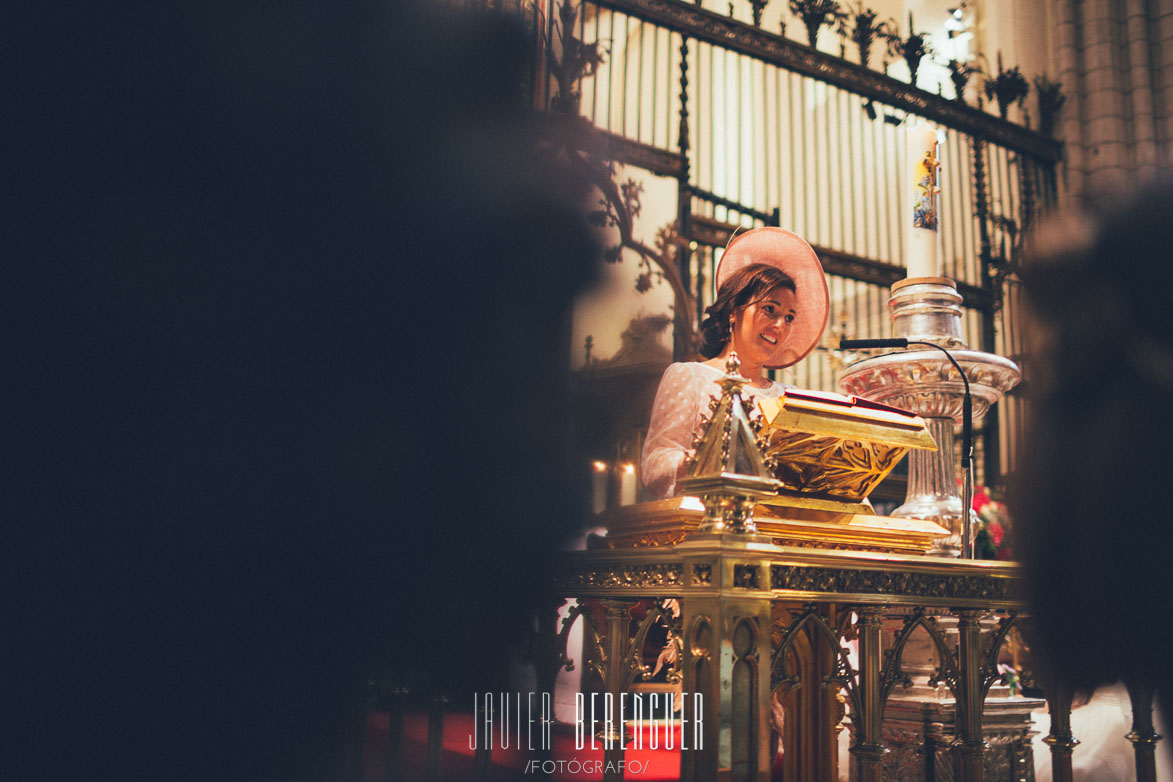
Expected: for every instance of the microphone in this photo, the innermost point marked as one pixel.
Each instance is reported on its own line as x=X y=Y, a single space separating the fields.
x=966 y=415
x=864 y=344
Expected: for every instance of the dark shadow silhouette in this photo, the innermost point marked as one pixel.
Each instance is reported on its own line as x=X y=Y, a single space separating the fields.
x=1093 y=486
x=289 y=302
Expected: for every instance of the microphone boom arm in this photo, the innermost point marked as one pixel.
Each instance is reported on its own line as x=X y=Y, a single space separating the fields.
x=966 y=422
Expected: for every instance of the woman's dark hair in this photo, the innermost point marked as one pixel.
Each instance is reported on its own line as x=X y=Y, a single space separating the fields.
x=742 y=287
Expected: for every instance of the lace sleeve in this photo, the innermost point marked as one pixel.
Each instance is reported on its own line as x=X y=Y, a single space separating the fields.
x=672 y=428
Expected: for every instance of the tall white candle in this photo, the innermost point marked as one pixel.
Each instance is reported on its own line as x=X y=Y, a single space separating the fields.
x=921 y=218
x=599 y=486
x=627 y=485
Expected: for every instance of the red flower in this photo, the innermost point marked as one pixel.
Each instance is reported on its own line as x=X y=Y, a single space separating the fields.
x=996 y=533
x=980 y=499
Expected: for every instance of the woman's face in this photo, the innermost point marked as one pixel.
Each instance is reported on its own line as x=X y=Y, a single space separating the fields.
x=763 y=325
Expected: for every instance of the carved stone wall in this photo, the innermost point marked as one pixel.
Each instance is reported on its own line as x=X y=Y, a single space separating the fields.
x=1116 y=67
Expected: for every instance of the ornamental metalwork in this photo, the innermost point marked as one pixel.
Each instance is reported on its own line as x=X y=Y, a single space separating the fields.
x=745 y=576
x=616 y=574
x=723 y=31
x=664 y=613
x=884 y=583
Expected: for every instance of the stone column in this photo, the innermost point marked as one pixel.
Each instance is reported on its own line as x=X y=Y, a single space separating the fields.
x=970 y=743
x=1143 y=736
x=727 y=660
x=868 y=748
x=618 y=625
x=1059 y=738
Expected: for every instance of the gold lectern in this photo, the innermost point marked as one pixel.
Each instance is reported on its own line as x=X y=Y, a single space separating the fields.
x=821 y=453
x=775 y=560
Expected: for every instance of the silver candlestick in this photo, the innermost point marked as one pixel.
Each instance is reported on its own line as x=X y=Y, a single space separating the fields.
x=928 y=309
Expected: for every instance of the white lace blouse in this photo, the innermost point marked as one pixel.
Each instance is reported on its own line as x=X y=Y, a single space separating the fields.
x=681 y=401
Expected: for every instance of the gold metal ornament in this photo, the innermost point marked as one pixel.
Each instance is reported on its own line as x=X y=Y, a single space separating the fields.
x=834 y=446
x=729 y=471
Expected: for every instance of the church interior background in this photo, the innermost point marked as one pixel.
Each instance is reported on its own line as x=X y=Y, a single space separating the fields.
x=699 y=119
x=325 y=458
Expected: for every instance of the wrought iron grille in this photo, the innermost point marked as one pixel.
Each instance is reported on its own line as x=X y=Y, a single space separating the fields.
x=763 y=130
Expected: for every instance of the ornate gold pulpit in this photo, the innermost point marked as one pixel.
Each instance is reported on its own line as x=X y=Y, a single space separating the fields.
x=824 y=454
x=775 y=560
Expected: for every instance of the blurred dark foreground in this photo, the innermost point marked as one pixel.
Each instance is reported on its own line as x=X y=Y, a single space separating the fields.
x=288 y=291
x=1093 y=488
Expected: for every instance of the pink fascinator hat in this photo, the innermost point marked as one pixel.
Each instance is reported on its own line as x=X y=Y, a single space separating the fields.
x=790 y=253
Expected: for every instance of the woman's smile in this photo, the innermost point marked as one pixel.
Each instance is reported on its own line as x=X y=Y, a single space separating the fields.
x=762 y=327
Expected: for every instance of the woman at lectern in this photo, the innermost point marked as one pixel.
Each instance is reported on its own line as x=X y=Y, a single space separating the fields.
x=771 y=309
